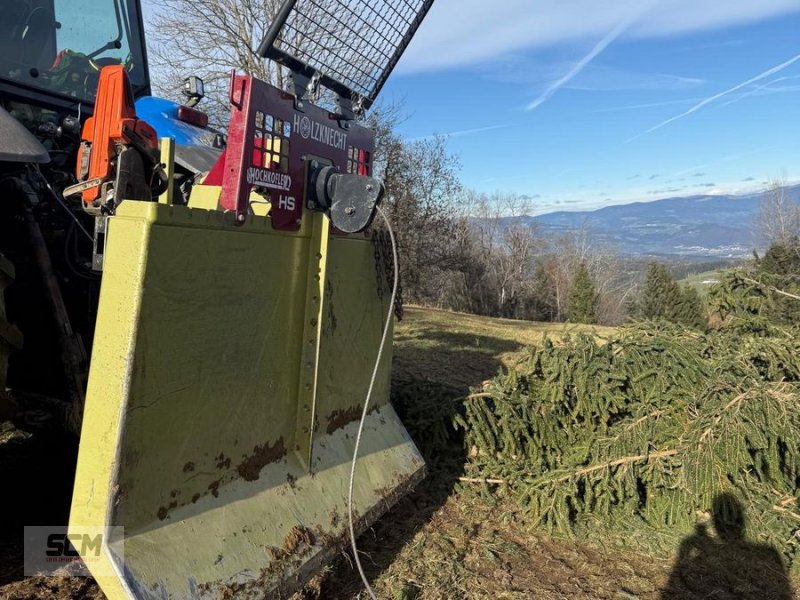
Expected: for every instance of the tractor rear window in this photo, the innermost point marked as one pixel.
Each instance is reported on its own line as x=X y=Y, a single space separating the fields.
x=61 y=45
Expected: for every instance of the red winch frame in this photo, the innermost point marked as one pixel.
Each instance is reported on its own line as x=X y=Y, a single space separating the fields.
x=272 y=140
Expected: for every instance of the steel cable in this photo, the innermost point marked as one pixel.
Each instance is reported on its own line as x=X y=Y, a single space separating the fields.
x=366 y=407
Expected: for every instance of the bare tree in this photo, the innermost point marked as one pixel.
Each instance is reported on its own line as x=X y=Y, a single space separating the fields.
x=421 y=190
x=567 y=252
x=209 y=38
x=499 y=259
x=779 y=215
x=513 y=254
x=564 y=255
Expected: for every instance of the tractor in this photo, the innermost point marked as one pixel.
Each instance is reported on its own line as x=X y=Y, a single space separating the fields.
x=208 y=310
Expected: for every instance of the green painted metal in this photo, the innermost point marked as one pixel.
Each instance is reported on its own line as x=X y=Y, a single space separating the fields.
x=190 y=438
x=312 y=335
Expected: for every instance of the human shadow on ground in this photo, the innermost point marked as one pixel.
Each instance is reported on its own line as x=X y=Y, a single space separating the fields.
x=725 y=566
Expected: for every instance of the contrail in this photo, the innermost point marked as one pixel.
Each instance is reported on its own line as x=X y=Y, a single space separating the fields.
x=764 y=87
x=461 y=132
x=707 y=101
x=646 y=105
x=581 y=64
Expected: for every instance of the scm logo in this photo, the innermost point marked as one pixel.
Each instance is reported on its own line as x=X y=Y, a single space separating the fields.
x=49 y=549
x=64 y=544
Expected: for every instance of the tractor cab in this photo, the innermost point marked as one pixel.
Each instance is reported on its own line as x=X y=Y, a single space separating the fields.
x=51 y=55
x=52 y=51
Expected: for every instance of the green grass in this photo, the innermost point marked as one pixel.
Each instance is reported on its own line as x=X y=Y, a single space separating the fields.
x=462 y=350
x=702 y=282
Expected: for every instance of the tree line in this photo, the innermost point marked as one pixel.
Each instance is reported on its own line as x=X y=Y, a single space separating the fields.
x=483 y=254
x=459 y=249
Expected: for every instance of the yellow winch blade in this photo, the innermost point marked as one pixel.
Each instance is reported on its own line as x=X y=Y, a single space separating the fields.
x=228 y=371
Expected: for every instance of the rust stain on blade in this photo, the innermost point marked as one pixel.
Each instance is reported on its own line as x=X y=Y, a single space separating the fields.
x=222 y=461
x=344 y=416
x=340 y=418
x=250 y=467
x=163 y=512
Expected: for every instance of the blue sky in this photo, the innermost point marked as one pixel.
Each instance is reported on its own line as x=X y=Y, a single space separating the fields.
x=580 y=104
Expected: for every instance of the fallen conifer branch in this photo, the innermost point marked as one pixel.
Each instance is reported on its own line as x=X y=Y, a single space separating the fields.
x=722 y=409
x=482 y=480
x=772 y=288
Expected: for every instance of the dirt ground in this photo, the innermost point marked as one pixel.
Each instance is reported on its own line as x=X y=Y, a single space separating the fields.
x=47 y=588
x=442 y=541
x=473 y=550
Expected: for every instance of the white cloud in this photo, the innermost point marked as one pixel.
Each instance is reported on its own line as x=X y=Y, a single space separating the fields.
x=464 y=32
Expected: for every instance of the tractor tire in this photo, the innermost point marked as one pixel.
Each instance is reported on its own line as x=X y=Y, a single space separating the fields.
x=10 y=336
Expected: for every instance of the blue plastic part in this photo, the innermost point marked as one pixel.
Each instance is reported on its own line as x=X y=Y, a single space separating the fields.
x=162 y=115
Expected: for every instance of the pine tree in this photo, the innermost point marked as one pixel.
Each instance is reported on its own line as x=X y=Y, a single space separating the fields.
x=762 y=295
x=663 y=298
x=660 y=294
x=690 y=311
x=782 y=260
x=780 y=270
x=582 y=297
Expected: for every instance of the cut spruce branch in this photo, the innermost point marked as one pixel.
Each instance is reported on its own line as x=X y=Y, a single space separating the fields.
x=772 y=288
x=585 y=470
x=643 y=430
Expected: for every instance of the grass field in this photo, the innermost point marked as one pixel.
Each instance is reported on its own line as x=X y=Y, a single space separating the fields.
x=448 y=540
x=461 y=350
x=702 y=282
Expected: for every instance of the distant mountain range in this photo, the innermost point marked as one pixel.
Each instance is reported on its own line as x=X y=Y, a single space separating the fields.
x=716 y=226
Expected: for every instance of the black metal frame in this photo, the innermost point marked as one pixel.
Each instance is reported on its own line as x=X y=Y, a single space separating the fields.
x=268 y=49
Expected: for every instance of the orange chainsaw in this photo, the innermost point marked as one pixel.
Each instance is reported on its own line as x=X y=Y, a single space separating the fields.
x=118 y=158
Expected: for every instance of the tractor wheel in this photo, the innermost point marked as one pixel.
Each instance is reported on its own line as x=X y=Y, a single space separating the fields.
x=10 y=336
